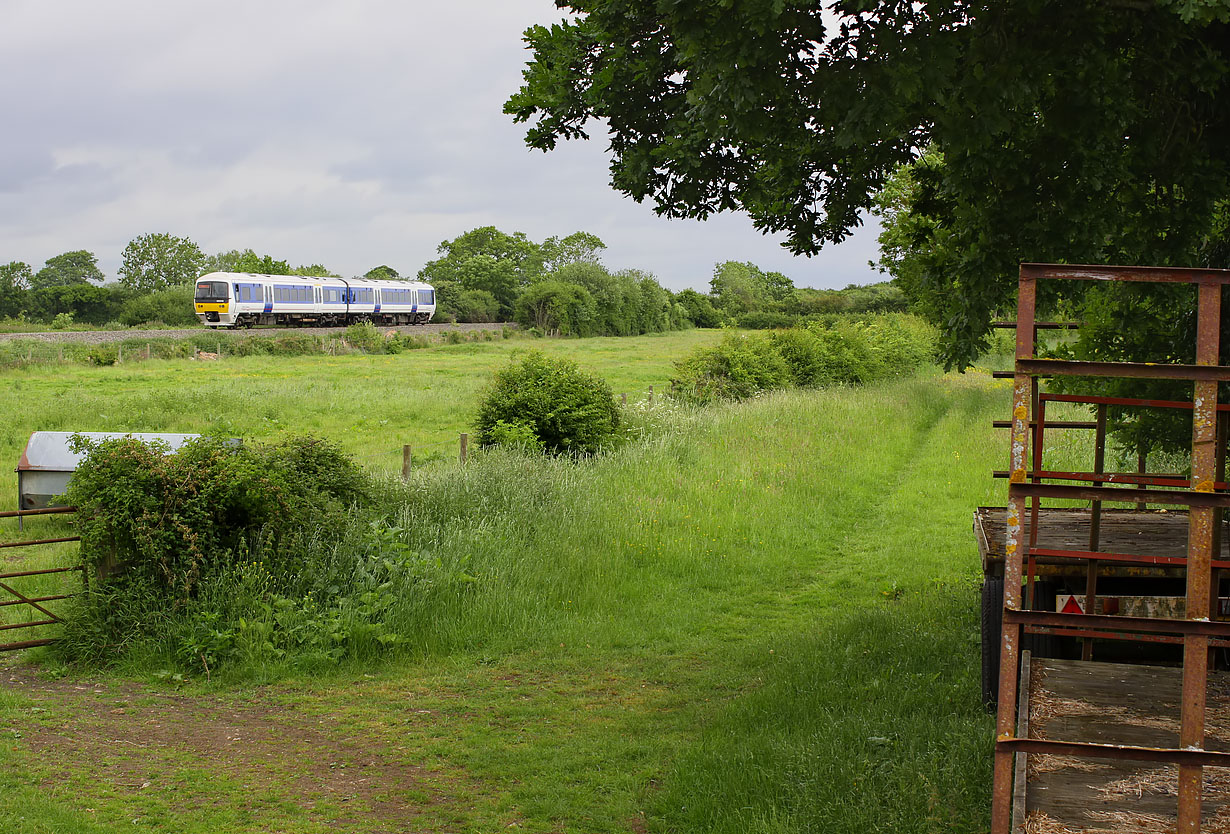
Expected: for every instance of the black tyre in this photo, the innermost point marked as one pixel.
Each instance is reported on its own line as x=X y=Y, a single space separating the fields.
x=992 y=627
x=1043 y=645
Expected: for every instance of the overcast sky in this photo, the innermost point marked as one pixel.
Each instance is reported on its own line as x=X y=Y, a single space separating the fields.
x=349 y=134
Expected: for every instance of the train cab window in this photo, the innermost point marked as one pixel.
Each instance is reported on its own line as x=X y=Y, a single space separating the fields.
x=211 y=291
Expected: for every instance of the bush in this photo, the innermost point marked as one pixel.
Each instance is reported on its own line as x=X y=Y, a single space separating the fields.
x=766 y=320
x=835 y=350
x=172 y=306
x=103 y=355
x=365 y=337
x=740 y=366
x=567 y=410
x=171 y=535
x=476 y=306
x=805 y=355
x=848 y=358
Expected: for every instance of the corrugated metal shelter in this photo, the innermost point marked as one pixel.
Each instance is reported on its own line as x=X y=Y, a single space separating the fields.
x=48 y=462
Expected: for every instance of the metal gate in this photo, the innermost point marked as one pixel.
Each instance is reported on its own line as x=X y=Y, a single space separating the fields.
x=34 y=607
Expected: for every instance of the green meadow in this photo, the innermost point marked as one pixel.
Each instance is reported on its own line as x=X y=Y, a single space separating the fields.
x=755 y=618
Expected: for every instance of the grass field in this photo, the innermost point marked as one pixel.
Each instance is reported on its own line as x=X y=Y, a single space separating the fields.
x=762 y=618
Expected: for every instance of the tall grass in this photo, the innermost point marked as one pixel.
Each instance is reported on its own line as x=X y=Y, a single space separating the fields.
x=779 y=596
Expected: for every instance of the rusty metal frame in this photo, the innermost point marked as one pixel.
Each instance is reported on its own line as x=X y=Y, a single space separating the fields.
x=1202 y=494
x=36 y=603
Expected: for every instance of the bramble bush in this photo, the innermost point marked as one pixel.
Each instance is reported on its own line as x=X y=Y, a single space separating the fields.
x=194 y=548
x=563 y=408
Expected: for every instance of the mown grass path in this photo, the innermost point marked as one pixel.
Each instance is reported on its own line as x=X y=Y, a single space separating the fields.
x=765 y=622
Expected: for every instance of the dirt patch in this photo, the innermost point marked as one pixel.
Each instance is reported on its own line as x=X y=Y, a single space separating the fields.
x=247 y=747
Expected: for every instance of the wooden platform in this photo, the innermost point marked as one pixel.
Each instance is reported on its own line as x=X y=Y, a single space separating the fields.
x=1147 y=533
x=1113 y=703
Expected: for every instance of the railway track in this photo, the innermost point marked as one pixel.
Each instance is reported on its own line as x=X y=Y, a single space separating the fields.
x=98 y=337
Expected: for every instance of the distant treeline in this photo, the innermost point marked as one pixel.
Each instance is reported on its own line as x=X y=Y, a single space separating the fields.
x=561 y=286
x=557 y=287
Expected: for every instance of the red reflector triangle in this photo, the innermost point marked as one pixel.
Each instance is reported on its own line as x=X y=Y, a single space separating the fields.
x=1072 y=607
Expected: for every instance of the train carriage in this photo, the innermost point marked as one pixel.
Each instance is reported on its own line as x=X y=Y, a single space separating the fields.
x=234 y=299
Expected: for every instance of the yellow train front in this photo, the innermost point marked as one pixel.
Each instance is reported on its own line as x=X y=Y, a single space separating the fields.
x=236 y=299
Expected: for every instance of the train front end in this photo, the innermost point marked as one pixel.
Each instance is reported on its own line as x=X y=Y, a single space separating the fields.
x=213 y=302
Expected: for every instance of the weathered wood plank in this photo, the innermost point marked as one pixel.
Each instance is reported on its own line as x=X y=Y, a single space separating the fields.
x=1115 y=703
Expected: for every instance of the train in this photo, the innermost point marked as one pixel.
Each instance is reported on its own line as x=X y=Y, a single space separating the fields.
x=240 y=299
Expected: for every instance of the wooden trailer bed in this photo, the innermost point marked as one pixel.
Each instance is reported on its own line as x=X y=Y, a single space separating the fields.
x=1113 y=703
x=1144 y=532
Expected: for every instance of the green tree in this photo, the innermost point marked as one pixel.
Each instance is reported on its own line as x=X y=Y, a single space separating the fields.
x=745 y=288
x=382 y=273
x=160 y=261
x=223 y=261
x=77 y=267
x=557 y=307
x=578 y=247
x=14 y=276
x=700 y=308
x=85 y=302
x=475 y=306
x=315 y=270
x=484 y=259
x=14 y=281
x=249 y=261
x=1075 y=130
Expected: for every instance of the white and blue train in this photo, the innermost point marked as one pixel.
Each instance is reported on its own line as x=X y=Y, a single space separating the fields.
x=239 y=299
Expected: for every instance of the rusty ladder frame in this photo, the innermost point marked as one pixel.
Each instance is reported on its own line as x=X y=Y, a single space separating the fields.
x=1198 y=631
x=35 y=602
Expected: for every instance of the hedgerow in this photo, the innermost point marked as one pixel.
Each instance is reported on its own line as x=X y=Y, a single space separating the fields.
x=837 y=351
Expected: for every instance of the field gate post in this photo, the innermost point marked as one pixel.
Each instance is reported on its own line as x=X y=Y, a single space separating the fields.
x=465 y=444
x=405 y=462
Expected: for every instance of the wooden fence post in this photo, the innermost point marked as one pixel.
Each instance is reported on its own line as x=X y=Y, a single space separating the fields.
x=465 y=444
x=623 y=399
x=405 y=462
x=61 y=353
x=119 y=354
x=651 y=395
x=147 y=351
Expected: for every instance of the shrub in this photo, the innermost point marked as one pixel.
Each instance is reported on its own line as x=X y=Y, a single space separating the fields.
x=365 y=337
x=738 y=367
x=805 y=355
x=902 y=343
x=171 y=306
x=766 y=320
x=517 y=435
x=476 y=306
x=848 y=359
x=163 y=530
x=103 y=355
x=567 y=410
x=834 y=350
